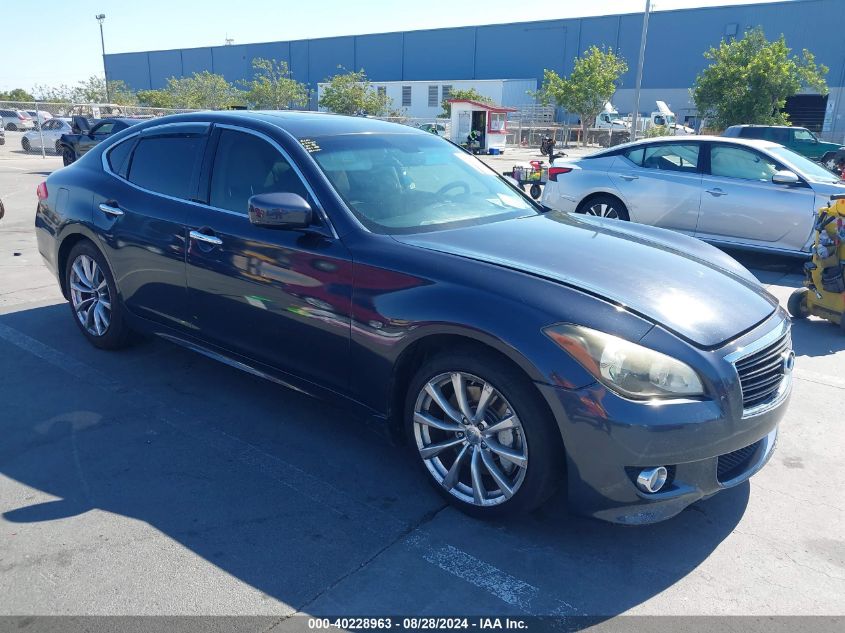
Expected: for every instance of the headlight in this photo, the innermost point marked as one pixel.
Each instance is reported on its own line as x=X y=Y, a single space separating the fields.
x=629 y=369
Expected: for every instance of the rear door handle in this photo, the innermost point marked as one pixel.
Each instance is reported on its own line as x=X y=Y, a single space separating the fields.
x=716 y=192
x=204 y=237
x=111 y=208
x=628 y=177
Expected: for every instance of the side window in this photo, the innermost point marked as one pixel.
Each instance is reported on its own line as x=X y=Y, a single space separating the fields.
x=246 y=165
x=103 y=128
x=165 y=164
x=779 y=135
x=672 y=157
x=118 y=156
x=737 y=162
x=804 y=136
x=635 y=155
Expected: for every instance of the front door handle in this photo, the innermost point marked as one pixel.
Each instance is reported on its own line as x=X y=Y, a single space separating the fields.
x=716 y=192
x=111 y=208
x=628 y=177
x=204 y=237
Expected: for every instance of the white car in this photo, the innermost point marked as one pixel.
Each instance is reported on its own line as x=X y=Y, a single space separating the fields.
x=13 y=120
x=51 y=132
x=733 y=192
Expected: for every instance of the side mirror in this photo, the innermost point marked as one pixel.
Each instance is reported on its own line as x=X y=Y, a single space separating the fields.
x=280 y=211
x=785 y=177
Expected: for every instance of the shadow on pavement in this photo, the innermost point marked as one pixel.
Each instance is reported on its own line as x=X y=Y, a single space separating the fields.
x=284 y=493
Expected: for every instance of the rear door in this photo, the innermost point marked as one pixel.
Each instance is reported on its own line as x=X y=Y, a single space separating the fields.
x=141 y=213
x=661 y=183
x=740 y=202
x=280 y=297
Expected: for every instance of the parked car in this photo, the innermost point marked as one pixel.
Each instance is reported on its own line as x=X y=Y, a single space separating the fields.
x=385 y=268
x=2 y=136
x=39 y=116
x=14 y=120
x=798 y=139
x=51 y=132
x=728 y=191
x=2 y=210
x=73 y=145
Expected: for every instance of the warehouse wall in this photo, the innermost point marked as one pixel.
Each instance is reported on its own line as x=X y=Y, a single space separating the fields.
x=677 y=40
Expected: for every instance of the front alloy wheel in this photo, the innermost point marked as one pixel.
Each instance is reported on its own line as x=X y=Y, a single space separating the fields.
x=470 y=439
x=90 y=296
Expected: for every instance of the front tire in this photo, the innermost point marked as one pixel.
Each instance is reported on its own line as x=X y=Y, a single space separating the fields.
x=26 y=146
x=797 y=304
x=482 y=434
x=94 y=302
x=605 y=206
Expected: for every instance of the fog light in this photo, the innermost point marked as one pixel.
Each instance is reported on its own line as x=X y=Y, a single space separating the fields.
x=652 y=479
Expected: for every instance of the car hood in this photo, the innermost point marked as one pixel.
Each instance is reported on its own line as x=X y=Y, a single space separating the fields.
x=678 y=282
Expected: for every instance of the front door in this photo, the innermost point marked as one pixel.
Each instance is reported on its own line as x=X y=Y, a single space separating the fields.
x=280 y=297
x=661 y=184
x=739 y=201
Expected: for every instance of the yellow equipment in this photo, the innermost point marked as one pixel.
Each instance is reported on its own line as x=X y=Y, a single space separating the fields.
x=823 y=294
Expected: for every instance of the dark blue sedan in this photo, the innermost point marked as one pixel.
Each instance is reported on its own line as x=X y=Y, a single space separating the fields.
x=512 y=348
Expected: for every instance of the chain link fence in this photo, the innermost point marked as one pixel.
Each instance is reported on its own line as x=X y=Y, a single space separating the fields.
x=35 y=126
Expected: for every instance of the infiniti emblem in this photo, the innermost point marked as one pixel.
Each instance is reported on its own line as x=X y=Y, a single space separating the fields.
x=788 y=362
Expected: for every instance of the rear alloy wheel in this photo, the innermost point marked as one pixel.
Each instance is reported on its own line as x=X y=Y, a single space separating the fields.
x=605 y=207
x=12 y=127
x=25 y=144
x=473 y=439
x=93 y=298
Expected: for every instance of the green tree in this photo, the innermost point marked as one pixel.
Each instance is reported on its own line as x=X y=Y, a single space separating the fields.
x=749 y=79
x=54 y=94
x=16 y=94
x=351 y=93
x=469 y=93
x=203 y=91
x=155 y=98
x=93 y=90
x=594 y=79
x=273 y=88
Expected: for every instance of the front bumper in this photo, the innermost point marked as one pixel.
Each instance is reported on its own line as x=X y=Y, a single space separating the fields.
x=609 y=439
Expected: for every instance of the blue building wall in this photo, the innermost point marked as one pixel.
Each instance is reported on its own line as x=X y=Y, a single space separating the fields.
x=677 y=40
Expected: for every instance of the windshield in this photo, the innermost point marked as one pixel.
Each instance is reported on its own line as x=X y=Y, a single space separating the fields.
x=810 y=170
x=407 y=183
x=614 y=116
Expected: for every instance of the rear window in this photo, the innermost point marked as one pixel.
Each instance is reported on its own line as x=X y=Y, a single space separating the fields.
x=166 y=164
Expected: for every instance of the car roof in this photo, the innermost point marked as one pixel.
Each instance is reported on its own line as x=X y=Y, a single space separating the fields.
x=301 y=124
x=750 y=142
x=784 y=127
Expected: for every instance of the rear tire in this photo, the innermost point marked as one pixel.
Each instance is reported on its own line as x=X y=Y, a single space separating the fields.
x=797 y=304
x=536 y=191
x=94 y=301
x=604 y=206
x=68 y=156
x=499 y=473
x=12 y=127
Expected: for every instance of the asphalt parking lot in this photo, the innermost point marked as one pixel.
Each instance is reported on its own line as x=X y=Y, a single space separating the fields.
x=156 y=481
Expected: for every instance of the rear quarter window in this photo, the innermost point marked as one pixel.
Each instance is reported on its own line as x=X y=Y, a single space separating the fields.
x=118 y=157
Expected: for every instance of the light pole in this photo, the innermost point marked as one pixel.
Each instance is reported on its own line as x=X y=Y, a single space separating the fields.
x=636 y=113
x=100 y=18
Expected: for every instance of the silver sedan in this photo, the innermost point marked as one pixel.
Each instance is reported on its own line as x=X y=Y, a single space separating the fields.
x=733 y=192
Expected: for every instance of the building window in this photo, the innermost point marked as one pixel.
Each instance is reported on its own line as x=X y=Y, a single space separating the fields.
x=447 y=92
x=432 y=96
x=382 y=91
x=406 y=96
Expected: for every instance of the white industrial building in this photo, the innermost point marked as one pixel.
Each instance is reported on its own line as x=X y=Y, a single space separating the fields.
x=423 y=99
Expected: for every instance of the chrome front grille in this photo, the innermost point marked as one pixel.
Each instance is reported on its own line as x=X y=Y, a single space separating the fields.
x=762 y=371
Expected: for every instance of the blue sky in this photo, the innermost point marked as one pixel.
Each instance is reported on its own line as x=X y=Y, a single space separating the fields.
x=59 y=40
